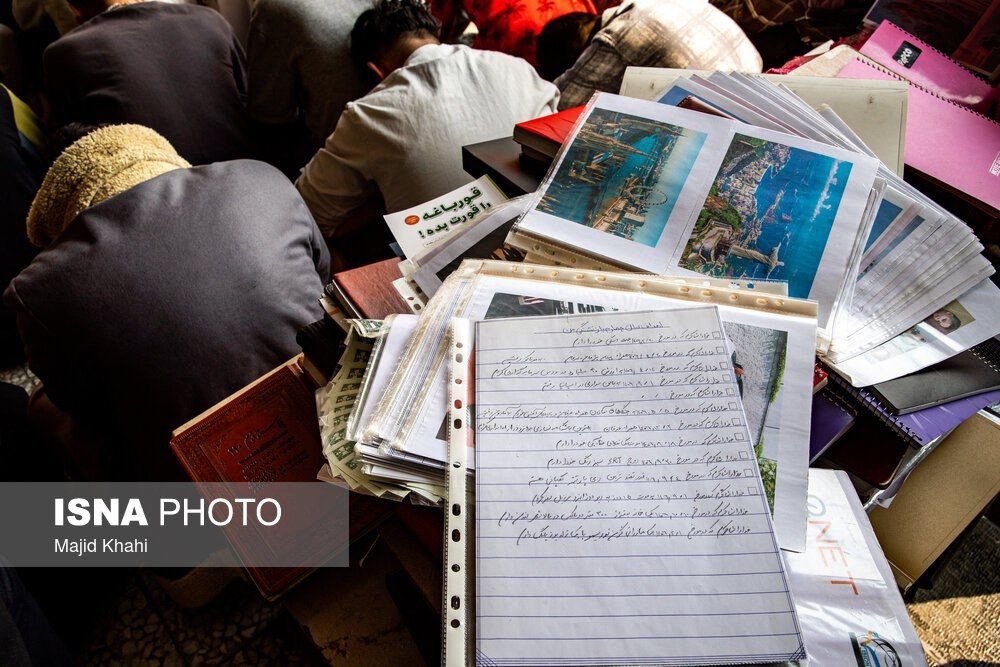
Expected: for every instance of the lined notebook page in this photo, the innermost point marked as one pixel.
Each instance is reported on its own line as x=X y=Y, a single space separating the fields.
x=620 y=517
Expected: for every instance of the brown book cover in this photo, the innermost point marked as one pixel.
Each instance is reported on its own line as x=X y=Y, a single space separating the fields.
x=367 y=291
x=266 y=432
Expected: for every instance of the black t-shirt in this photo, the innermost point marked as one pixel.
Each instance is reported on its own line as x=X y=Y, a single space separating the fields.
x=177 y=69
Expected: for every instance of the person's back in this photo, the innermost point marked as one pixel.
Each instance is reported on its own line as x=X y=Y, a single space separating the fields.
x=403 y=140
x=177 y=69
x=158 y=302
x=684 y=34
x=299 y=60
x=20 y=173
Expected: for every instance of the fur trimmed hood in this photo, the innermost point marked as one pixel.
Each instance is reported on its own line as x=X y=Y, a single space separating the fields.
x=96 y=167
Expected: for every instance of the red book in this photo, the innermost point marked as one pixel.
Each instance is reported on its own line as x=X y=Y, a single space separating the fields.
x=266 y=432
x=367 y=291
x=546 y=135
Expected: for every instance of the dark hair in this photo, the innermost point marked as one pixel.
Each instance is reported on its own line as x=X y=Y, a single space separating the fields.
x=69 y=134
x=378 y=29
x=562 y=40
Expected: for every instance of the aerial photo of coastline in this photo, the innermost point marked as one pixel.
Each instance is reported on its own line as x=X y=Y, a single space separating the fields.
x=622 y=175
x=768 y=214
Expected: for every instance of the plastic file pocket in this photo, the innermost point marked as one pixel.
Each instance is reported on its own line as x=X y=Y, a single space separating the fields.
x=745 y=578
x=458 y=639
x=408 y=427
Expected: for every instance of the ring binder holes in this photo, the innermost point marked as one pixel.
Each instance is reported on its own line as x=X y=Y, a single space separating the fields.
x=706 y=292
x=458 y=357
x=456 y=509
x=734 y=297
x=458 y=380
x=458 y=344
x=457 y=464
x=554 y=274
x=579 y=276
x=458 y=404
x=761 y=301
x=685 y=290
x=455 y=623
x=642 y=283
x=456 y=567
x=458 y=423
x=456 y=602
x=529 y=270
x=456 y=535
x=601 y=279
x=779 y=302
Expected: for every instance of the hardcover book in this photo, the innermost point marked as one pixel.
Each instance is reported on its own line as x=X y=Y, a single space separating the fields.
x=266 y=432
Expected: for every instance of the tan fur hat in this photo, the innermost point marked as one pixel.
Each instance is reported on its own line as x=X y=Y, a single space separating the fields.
x=96 y=167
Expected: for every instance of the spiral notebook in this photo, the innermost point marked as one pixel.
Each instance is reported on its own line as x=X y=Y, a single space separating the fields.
x=975 y=371
x=944 y=140
x=917 y=428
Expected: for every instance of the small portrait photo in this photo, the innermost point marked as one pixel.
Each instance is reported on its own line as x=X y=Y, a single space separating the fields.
x=950 y=319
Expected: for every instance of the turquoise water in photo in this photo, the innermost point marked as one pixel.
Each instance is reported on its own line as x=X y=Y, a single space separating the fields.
x=582 y=202
x=814 y=186
x=675 y=172
x=887 y=212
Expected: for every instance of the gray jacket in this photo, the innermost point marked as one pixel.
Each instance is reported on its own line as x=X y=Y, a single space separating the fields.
x=154 y=305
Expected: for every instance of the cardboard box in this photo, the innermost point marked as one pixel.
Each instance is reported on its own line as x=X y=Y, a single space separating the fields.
x=941 y=498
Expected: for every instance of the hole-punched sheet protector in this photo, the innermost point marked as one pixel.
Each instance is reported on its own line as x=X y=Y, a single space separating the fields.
x=625 y=529
x=771 y=339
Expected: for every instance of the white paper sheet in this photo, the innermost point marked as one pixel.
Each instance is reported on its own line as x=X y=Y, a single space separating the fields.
x=421 y=226
x=620 y=518
x=475 y=242
x=846 y=597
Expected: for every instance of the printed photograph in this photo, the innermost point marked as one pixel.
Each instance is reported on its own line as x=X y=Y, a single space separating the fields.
x=887 y=212
x=950 y=319
x=758 y=355
x=513 y=305
x=622 y=175
x=768 y=214
x=945 y=320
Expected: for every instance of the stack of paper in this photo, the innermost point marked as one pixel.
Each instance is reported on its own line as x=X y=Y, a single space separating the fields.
x=784 y=192
x=348 y=395
x=771 y=340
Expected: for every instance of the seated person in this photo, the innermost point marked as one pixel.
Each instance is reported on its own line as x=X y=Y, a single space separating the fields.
x=299 y=62
x=162 y=288
x=586 y=53
x=177 y=69
x=403 y=140
x=21 y=170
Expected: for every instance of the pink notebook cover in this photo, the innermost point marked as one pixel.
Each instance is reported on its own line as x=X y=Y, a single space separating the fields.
x=944 y=140
x=919 y=62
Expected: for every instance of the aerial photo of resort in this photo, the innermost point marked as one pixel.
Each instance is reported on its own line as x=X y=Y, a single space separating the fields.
x=622 y=175
x=768 y=214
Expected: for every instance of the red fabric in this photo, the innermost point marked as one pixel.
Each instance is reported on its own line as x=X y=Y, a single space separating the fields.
x=512 y=26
